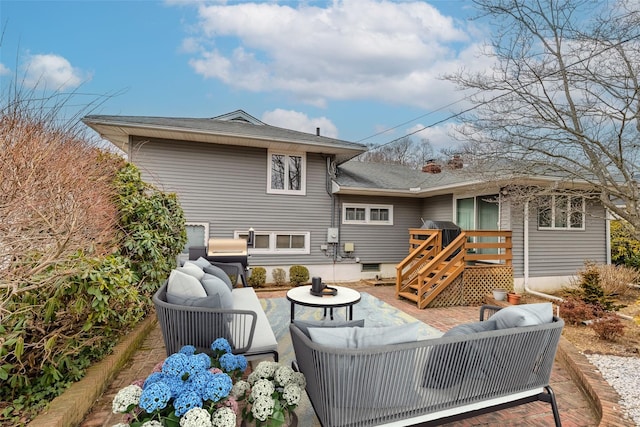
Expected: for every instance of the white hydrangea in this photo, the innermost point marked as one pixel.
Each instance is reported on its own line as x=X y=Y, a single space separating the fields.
x=283 y=375
x=224 y=417
x=126 y=397
x=299 y=379
x=265 y=370
x=262 y=388
x=152 y=423
x=239 y=389
x=120 y=425
x=262 y=408
x=196 y=417
x=292 y=394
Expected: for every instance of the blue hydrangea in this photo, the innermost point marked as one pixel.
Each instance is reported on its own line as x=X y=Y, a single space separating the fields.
x=199 y=383
x=218 y=388
x=221 y=345
x=152 y=379
x=186 y=401
x=189 y=350
x=203 y=360
x=155 y=397
x=176 y=385
x=177 y=365
x=230 y=362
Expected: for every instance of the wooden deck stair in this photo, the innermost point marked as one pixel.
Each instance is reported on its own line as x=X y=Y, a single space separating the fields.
x=429 y=269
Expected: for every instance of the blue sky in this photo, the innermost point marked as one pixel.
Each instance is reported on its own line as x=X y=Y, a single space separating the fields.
x=354 y=68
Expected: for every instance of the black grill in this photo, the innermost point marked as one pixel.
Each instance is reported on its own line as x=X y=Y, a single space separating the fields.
x=449 y=230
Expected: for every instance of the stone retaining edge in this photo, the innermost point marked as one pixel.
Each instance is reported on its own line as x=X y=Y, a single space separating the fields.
x=602 y=396
x=70 y=408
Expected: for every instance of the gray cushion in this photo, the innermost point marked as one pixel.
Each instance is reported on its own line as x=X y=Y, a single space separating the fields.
x=471 y=328
x=524 y=315
x=220 y=274
x=304 y=325
x=358 y=337
x=184 y=285
x=209 y=302
x=192 y=270
x=201 y=262
x=215 y=286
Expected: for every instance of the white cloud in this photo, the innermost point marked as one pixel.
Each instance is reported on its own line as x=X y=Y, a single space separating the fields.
x=299 y=121
x=355 y=49
x=440 y=137
x=52 y=72
x=4 y=71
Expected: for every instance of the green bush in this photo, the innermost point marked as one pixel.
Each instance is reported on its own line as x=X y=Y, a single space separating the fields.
x=625 y=248
x=279 y=276
x=298 y=274
x=258 y=277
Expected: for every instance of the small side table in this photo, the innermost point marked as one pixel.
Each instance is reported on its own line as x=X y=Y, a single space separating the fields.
x=345 y=297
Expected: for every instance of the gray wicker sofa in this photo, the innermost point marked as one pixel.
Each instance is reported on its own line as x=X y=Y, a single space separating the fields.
x=245 y=325
x=475 y=368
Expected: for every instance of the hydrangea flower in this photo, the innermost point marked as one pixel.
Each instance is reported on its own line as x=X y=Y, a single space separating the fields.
x=223 y=417
x=186 y=401
x=283 y=375
x=221 y=346
x=188 y=350
x=299 y=379
x=152 y=423
x=177 y=365
x=291 y=394
x=262 y=408
x=240 y=388
x=126 y=397
x=155 y=397
x=262 y=387
x=196 y=417
x=218 y=388
x=152 y=379
x=230 y=362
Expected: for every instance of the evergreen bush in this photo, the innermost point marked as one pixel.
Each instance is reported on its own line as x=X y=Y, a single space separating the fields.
x=298 y=274
x=279 y=276
x=258 y=277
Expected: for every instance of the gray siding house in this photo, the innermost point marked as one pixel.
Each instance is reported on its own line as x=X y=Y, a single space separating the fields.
x=311 y=203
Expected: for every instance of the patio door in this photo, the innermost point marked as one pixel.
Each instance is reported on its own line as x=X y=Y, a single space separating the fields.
x=479 y=213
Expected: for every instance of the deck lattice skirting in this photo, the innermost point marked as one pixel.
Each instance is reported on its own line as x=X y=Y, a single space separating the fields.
x=474 y=284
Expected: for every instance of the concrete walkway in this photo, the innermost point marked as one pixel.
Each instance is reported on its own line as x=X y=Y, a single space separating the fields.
x=584 y=398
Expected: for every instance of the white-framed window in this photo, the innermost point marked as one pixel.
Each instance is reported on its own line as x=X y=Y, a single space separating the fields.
x=286 y=173
x=355 y=213
x=561 y=212
x=278 y=242
x=197 y=235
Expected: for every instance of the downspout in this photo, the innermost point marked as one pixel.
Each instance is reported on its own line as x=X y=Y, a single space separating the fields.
x=328 y=188
x=526 y=258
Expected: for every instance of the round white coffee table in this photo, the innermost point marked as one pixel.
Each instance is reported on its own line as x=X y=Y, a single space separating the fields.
x=345 y=297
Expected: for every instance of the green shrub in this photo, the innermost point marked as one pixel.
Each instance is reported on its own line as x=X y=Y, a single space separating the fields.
x=258 y=277
x=591 y=290
x=298 y=274
x=625 y=247
x=279 y=276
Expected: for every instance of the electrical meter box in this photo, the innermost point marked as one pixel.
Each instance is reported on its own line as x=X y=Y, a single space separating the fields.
x=332 y=235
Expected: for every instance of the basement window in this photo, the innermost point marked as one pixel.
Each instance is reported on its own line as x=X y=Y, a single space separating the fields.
x=370 y=267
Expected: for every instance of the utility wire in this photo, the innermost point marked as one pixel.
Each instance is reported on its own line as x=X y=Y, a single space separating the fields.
x=453 y=116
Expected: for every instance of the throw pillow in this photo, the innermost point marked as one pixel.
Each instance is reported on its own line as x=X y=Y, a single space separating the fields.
x=358 y=337
x=304 y=325
x=201 y=262
x=212 y=301
x=192 y=270
x=184 y=285
x=524 y=315
x=215 y=286
x=220 y=274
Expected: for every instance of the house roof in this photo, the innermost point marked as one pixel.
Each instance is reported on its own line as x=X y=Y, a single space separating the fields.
x=363 y=178
x=235 y=128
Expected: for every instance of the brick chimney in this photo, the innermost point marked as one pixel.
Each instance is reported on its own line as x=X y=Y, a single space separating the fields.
x=431 y=167
x=455 y=162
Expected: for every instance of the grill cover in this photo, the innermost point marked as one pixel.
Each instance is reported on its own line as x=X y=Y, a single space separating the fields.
x=227 y=250
x=449 y=230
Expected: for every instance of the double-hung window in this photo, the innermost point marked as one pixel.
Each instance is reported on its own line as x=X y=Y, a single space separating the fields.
x=353 y=213
x=286 y=173
x=197 y=235
x=561 y=212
